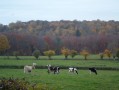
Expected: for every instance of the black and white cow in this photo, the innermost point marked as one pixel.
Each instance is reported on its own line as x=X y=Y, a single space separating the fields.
x=92 y=69
x=53 y=69
x=72 y=69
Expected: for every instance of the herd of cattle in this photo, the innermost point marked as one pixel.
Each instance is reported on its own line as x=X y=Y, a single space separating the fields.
x=56 y=70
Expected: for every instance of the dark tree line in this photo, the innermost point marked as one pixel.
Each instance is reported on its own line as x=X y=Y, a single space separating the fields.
x=26 y=43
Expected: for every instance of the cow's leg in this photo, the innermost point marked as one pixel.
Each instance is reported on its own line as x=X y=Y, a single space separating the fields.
x=48 y=71
x=96 y=72
x=76 y=71
x=54 y=71
x=90 y=71
x=58 y=71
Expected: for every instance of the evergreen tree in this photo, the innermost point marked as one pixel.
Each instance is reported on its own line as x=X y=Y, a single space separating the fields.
x=78 y=34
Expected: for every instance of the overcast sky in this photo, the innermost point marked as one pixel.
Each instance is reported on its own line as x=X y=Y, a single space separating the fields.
x=52 y=10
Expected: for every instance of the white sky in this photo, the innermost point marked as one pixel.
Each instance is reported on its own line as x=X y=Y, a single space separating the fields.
x=52 y=10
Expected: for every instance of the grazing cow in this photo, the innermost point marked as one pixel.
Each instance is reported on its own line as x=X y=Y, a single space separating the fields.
x=93 y=70
x=72 y=69
x=53 y=69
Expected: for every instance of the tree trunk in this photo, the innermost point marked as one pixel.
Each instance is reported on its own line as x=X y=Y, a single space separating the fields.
x=66 y=57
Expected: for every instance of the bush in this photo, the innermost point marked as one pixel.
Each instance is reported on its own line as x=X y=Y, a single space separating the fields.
x=36 y=54
x=49 y=53
x=65 y=52
x=85 y=53
x=117 y=54
x=13 y=84
x=73 y=53
x=107 y=53
x=16 y=54
x=20 y=84
x=101 y=55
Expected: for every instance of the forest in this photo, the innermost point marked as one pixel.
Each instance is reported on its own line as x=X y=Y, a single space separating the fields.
x=95 y=36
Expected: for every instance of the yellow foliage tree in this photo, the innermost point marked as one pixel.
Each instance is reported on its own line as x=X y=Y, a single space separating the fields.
x=49 y=53
x=107 y=53
x=65 y=52
x=4 y=44
x=73 y=53
x=85 y=53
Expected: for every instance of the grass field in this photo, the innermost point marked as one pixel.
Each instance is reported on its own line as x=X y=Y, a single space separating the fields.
x=105 y=80
x=68 y=63
x=59 y=60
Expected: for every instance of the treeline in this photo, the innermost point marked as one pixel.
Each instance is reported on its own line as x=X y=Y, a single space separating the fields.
x=63 y=28
x=94 y=36
x=26 y=43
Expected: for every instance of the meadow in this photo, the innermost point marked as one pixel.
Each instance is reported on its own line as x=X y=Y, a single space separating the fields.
x=105 y=80
x=78 y=61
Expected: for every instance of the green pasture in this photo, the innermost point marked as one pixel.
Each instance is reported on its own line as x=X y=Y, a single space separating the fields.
x=105 y=80
x=62 y=63
x=68 y=63
x=78 y=61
